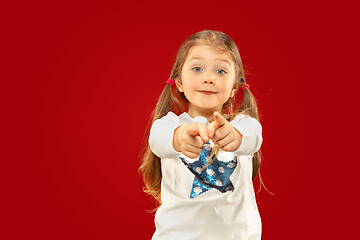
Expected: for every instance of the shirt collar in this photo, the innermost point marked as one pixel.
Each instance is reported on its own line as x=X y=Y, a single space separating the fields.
x=199 y=119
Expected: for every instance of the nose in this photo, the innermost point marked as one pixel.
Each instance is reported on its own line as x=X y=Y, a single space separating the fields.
x=208 y=81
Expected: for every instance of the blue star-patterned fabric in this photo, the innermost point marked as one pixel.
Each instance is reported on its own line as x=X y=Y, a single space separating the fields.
x=216 y=175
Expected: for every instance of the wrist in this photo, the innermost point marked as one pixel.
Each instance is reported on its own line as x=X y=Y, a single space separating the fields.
x=239 y=137
x=176 y=141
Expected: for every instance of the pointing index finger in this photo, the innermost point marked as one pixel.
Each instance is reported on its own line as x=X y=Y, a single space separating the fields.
x=219 y=120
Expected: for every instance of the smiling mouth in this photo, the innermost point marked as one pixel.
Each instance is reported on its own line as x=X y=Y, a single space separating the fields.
x=206 y=92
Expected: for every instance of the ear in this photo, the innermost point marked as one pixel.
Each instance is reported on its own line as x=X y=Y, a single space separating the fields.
x=233 y=91
x=179 y=85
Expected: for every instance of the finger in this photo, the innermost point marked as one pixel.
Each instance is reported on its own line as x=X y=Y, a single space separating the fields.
x=225 y=140
x=191 y=154
x=221 y=133
x=211 y=129
x=219 y=120
x=193 y=131
x=203 y=133
x=196 y=142
x=191 y=149
x=234 y=143
x=231 y=146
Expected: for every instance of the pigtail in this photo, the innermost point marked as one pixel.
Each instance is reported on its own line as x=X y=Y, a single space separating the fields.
x=170 y=100
x=250 y=107
x=150 y=168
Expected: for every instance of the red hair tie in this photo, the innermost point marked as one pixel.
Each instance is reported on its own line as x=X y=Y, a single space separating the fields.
x=170 y=81
x=245 y=86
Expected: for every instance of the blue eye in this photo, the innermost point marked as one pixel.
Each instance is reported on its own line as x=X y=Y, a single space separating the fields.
x=223 y=71
x=196 y=68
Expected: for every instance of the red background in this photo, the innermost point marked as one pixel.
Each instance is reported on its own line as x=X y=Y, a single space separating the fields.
x=80 y=80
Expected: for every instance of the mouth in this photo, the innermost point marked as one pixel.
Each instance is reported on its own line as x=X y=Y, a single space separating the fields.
x=206 y=92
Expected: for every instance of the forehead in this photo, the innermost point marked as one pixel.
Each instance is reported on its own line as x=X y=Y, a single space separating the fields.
x=207 y=53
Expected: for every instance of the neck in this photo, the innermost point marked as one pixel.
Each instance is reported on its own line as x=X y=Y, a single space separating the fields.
x=207 y=113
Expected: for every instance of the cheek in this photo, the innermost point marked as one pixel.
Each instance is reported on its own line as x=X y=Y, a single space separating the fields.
x=226 y=89
x=227 y=86
x=190 y=85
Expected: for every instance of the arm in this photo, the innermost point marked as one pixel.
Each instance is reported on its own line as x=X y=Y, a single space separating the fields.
x=168 y=138
x=161 y=136
x=251 y=131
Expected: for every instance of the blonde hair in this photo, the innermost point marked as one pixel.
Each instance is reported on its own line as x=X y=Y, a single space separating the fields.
x=173 y=100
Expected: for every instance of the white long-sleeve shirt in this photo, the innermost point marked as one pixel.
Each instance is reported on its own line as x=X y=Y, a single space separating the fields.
x=217 y=203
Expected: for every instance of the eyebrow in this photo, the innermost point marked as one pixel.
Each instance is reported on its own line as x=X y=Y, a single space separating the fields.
x=219 y=59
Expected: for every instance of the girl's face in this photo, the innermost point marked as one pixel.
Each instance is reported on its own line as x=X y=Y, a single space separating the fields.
x=207 y=80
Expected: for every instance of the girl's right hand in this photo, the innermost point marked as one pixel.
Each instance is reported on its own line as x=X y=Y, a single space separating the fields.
x=190 y=138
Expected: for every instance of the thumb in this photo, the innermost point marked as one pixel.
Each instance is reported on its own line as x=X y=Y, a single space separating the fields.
x=193 y=131
x=199 y=130
x=211 y=129
x=203 y=132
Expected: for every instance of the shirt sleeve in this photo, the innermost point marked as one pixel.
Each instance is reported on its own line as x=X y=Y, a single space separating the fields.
x=251 y=130
x=161 y=136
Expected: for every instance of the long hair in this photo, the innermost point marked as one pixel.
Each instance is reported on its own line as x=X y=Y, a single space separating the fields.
x=173 y=100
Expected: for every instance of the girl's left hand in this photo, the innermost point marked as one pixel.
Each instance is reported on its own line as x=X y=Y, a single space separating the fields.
x=224 y=134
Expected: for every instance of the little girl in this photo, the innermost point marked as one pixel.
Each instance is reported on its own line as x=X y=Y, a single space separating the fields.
x=203 y=151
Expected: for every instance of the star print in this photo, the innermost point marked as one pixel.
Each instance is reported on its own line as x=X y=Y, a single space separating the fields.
x=216 y=175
